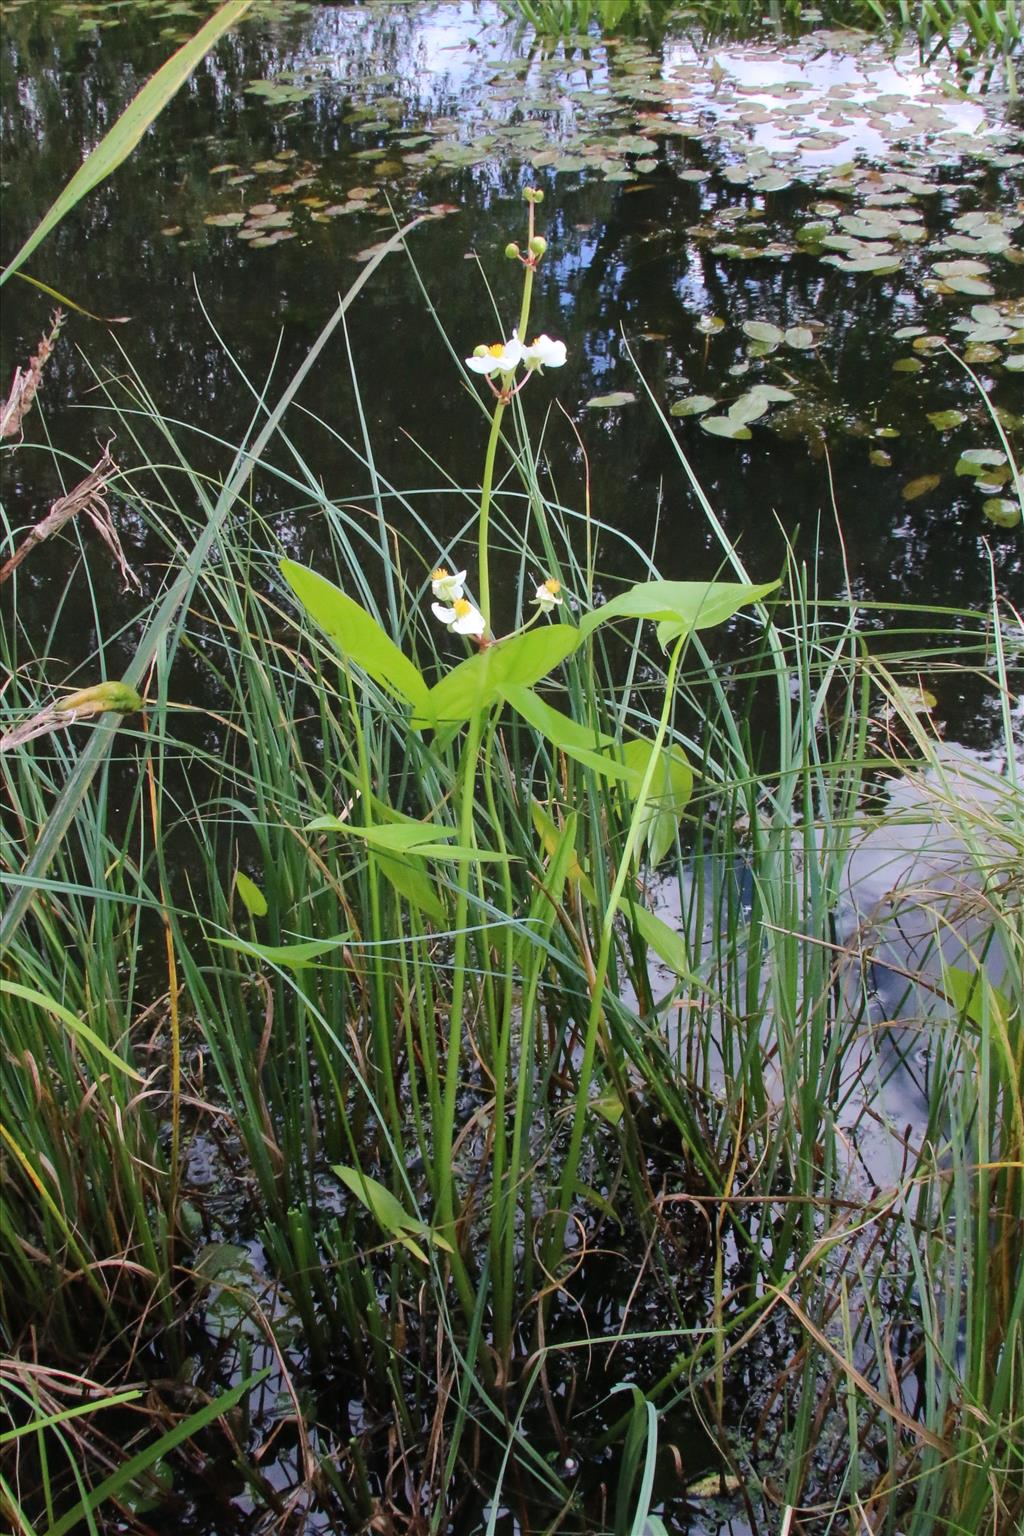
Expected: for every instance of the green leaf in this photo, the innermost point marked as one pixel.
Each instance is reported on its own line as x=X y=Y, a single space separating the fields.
x=293 y=956
x=409 y=878
x=608 y=1105
x=252 y=898
x=668 y=797
x=478 y=682
x=575 y=740
x=610 y=402
x=117 y=144
x=74 y=1024
x=725 y=426
x=668 y=945
x=1002 y=511
x=392 y=837
x=356 y=634
x=553 y=839
x=945 y=421
x=748 y=407
x=800 y=338
x=920 y=487
x=388 y=1212
x=973 y=995
x=760 y=330
x=400 y=838
x=972 y=285
x=692 y=405
x=681 y=605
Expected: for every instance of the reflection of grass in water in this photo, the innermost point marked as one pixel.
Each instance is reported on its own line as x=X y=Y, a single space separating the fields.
x=970 y=31
x=761 y=1289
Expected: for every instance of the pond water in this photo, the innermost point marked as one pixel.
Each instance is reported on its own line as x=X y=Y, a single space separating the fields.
x=770 y=242
x=775 y=238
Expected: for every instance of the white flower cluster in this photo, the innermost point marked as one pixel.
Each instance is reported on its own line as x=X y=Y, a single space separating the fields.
x=453 y=608
x=505 y=356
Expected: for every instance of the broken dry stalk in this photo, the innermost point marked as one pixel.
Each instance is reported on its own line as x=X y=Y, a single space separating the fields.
x=26 y=381
x=89 y=496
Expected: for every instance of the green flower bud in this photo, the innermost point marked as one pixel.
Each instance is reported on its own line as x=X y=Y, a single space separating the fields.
x=532 y=195
x=512 y=251
x=538 y=245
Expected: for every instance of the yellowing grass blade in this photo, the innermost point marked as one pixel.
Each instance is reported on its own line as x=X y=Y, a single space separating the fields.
x=118 y=144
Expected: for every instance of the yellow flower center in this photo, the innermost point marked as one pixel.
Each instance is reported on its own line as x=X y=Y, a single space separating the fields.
x=441 y=574
x=553 y=586
x=460 y=607
x=496 y=349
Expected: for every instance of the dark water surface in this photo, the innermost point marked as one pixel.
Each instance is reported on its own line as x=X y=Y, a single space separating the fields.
x=681 y=180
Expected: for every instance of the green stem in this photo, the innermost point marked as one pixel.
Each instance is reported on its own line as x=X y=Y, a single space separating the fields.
x=485 y=508
x=568 y=1181
x=483 y=558
x=446 y=1130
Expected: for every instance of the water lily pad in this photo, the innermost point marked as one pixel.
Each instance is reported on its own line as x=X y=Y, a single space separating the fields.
x=982 y=352
x=611 y=401
x=1002 y=511
x=945 y=421
x=919 y=487
x=748 y=407
x=876 y=264
x=692 y=405
x=272 y=239
x=907 y=365
x=1015 y=362
x=987 y=464
x=800 y=337
x=224 y=220
x=761 y=331
x=880 y=458
x=917 y=701
x=773 y=393
x=972 y=285
x=725 y=426
x=949 y=269
x=774 y=181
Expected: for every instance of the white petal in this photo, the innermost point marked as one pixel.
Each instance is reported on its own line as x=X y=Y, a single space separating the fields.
x=471 y=623
x=446 y=615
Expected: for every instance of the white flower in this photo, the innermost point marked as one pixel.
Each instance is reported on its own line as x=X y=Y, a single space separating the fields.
x=502 y=357
x=548 y=595
x=461 y=618
x=447 y=586
x=544 y=353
